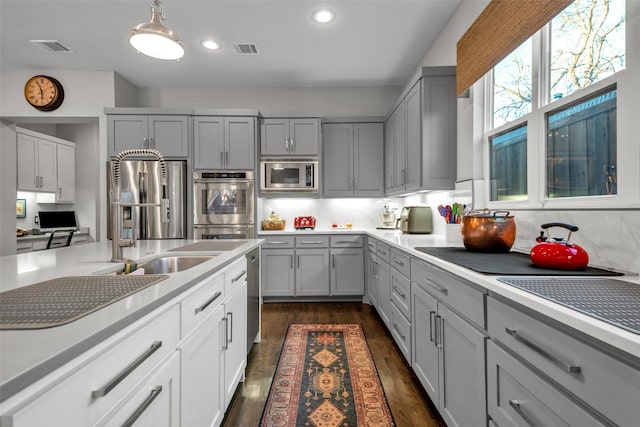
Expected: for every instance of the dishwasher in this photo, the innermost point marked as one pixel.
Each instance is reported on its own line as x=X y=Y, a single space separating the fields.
x=253 y=297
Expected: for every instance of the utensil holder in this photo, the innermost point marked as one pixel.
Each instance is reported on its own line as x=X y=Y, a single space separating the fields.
x=452 y=233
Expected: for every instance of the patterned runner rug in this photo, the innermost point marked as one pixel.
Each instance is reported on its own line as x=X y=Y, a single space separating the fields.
x=326 y=378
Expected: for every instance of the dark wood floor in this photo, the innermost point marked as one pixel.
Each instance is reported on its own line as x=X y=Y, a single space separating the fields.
x=408 y=402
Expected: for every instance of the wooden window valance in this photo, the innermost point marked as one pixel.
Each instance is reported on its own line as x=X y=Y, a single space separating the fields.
x=501 y=27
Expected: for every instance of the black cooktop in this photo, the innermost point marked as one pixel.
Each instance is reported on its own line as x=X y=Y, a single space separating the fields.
x=509 y=264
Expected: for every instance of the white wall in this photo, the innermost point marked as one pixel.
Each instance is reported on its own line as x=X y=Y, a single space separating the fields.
x=80 y=118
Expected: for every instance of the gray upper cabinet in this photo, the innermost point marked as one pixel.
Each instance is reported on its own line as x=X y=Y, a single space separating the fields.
x=224 y=142
x=290 y=137
x=353 y=159
x=420 y=135
x=168 y=134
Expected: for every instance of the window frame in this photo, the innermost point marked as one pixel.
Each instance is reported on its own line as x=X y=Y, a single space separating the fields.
x=628 y=147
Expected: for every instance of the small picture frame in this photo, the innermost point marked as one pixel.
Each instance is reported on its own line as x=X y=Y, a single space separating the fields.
x=21 y=208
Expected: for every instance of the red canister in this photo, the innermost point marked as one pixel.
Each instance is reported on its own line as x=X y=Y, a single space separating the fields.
x=304 y=222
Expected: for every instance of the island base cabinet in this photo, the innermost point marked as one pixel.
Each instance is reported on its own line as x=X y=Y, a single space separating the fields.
x=235 y=340
x=155 y=404
x=518 y=397
x=201 y=362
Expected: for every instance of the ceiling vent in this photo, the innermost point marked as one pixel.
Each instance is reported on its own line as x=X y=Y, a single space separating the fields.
x=51 y=46
x=245 y=48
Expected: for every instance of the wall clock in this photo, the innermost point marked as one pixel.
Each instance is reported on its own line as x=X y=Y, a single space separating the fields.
x=44 y=93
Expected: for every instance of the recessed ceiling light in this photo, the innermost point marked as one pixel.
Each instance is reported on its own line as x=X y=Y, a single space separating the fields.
x=323 y=16
x=210 y=44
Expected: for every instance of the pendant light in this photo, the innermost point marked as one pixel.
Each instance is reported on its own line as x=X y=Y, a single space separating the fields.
x=154 y=39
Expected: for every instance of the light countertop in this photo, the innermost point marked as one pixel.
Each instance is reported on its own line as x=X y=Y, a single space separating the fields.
x=27 y=355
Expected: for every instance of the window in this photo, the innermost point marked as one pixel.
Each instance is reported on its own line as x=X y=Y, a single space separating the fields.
x=508 y=151
x=512 y=86
x=581 y=148
x=586 y=44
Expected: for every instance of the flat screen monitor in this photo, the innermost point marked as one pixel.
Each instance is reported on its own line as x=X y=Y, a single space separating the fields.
x=57 y=220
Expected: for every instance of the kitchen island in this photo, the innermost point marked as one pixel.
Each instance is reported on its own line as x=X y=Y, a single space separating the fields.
x=35 y=360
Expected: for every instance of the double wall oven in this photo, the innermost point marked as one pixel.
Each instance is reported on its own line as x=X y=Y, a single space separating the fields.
x=224 y=205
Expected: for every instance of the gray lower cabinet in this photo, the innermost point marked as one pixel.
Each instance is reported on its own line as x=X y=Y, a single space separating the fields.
x=347 y=271
x=278 y=274
x=353 y=159
x=371 y=276
x=516 y=396
x=168 y=134
x=312 y=272
x=598 y=377
x=312 y=265
x=384 y=291
x=224 y=142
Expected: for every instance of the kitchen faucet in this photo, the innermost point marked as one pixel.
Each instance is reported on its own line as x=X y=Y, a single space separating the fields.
x=117 y=242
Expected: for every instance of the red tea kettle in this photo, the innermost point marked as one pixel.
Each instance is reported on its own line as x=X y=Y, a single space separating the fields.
x=557 y=252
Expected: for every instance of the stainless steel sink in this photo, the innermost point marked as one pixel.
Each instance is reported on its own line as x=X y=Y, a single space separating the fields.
x=173 y=264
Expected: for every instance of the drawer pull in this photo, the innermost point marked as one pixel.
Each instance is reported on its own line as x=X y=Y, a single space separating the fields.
x=208 y=303
x=572 y=369
x=436 y=287
x=515 y=404
x=155 y=392
x=126 y=371
x=242 y=273
x=312 y=242
x=397 y=290
x=382 y=251
x=397 y=261
x=277 y=242
x=395 y=326
x=345 y=242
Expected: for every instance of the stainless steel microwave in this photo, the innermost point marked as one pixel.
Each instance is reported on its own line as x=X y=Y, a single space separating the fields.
x=289 y=175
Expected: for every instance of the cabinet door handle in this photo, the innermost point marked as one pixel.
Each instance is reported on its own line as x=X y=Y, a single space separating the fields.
x=515 y=404
x=403 y=177
x=298 y=260
x=227 y=159
x=397 y=261
x=568 y=367
x=126 y=371
x=208 y=302
x=292 y=144
x=286 y=144
x=152 y=143
x=155 y=392
x=397 y=290
x=438 y=324
x=145 y=142
x=230 y=326
x=333 y=261
x=222 y=158
x=59 y=191
x=436 y=287
x=225 y=345
x=431 y=322
x=239 y=276
x=312 y=242
x=395 y=326
x=291 y=259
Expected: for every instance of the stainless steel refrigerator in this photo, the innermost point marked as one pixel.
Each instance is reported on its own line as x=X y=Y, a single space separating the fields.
x=141 y=183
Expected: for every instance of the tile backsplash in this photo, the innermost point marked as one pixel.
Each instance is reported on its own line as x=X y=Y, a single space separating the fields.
x=612 y=238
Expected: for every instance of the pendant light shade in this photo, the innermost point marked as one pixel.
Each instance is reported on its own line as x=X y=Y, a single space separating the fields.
x=154 y=39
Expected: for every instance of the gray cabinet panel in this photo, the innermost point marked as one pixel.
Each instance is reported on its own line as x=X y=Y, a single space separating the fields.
x=125 y=132
x=274 y=135
x=353 y=159
x=278 y=277
x=312 y=272
x=389 y=159
x=347 y=272
x=413 y=138
x=290 y=137
x=371 y=279
x=399 y=147
x=439 y=132
x=401 y=293
x=337 y=160
x=462 y=371
x=240 y=138
x=169 y=135
x=368 y=162
x=516 y=396
x=401 y=332
x=384 y=292
x=424 y=350
x=208 y=136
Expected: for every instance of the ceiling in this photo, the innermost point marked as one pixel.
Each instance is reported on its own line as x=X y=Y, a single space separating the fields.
x=370 y=43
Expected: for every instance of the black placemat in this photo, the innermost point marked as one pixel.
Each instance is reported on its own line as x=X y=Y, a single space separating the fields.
x=511 y=263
